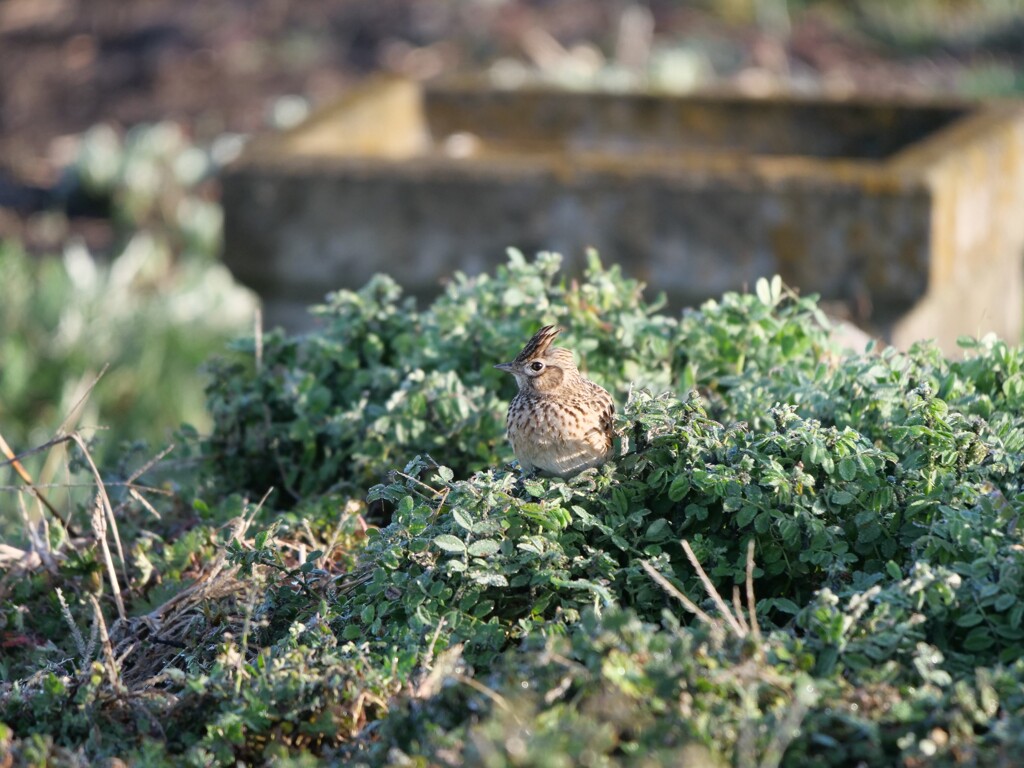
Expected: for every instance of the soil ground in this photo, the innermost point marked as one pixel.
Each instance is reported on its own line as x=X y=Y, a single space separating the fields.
x=66 y=65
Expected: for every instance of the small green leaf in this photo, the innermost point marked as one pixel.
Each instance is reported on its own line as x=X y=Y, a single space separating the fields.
x=679 y=488
x=696 y=512
x=746 y=515
x=462 y=519
x=658 y=530
x=1004 y=602
x=482 y=608
x=450 y=543
x=487 y=579
x=842 y=498
x=534 y=487
x=785 y=605
x=764 y=291
x=979 y=639
x=847 y=468
x=483 y=548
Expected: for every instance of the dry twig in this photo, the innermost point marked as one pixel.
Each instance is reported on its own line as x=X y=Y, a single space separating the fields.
x=671 y=589
x=710 y=588
x=13 y=461
x=736 y=621
x=751 y=602
x=99 y=529
x=104 y=499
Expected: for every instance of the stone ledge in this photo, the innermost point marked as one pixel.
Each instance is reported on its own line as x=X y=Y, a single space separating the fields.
x=907 y=212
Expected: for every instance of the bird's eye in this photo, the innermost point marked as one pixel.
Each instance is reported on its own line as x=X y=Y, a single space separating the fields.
x=536 y=365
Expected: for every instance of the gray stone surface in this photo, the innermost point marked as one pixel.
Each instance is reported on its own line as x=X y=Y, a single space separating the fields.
x=910 y=215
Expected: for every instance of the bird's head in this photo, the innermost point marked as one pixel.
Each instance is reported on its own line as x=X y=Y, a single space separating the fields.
x=541 y=367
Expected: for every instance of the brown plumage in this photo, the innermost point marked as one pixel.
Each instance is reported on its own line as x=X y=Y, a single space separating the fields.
x=559 y=423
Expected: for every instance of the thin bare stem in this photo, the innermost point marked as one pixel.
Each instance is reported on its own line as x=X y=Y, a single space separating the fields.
x=144 y=502
x=109 y=484
x=12 y=460
x=250 y=609
x=491 y=694
x=149 y=465
x=351 y=508
x=428 y=657
x=420 y=482
x=435 y=672
x=784 y=734
x=99 y=529
x=712 y=592
x=671 y=589
x=737 y=607
x=751 y=601
x=108 y=650
x=64 y=427
x=107 y=508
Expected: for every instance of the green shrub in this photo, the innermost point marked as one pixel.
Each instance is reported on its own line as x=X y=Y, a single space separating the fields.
x=506 y=620
x=383 y=381
x=153 y=308
x=63 y=319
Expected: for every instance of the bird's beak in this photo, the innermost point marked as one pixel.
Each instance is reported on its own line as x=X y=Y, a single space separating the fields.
x=506 y=367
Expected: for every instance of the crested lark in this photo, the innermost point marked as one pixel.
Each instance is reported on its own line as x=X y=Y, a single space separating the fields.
x=560 y=422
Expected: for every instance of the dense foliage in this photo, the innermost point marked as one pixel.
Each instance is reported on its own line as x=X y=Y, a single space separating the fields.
x=151 y=306
x=500 y=620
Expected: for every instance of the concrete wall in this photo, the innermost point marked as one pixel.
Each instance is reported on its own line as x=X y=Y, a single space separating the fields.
x=909 y=214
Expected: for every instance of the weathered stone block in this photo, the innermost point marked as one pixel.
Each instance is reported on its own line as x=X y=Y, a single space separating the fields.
x=912 y=213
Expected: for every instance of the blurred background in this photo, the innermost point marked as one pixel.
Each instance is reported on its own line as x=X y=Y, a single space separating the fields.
x=116 y=117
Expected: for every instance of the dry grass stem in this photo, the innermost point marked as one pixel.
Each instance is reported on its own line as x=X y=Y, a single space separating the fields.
x=38 y=540
x=784 y=734
x=491 y=694
x=351 y=508
x=23 y=473
x=99 y=529
x=144 y=502
x=134 y=490
x=428 y=657
x=751 y=602
x=148 y=645
x=671 y=589
x=447 y=662
x=13 y=459
x=737 y=607
x=65 y=427
x=109 y=662
x=712 y=592
x=250 y=609
x=105 y=500
x=417 y=481
x=734 y=616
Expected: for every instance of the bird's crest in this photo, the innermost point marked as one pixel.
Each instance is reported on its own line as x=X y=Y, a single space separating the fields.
x=539 y=344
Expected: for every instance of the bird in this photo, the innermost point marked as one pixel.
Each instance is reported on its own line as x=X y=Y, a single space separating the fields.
x=559 y=423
